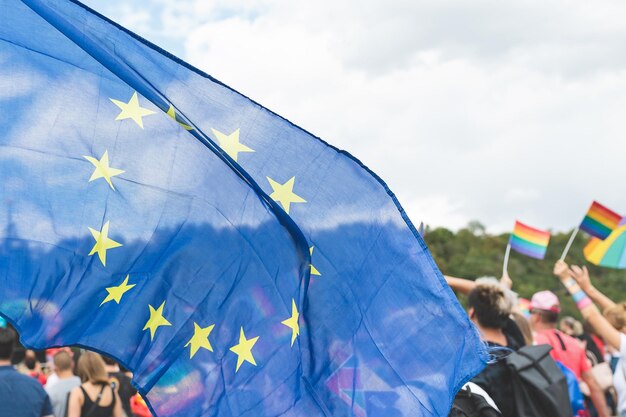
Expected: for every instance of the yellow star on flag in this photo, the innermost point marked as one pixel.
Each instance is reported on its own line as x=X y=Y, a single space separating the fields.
x=132 y=110
x=314 y=270
x=116 y=293
x=156 y=320
x=172 y=113
x=292 y=322
x=200 y=339
x=103 y=170
x=230 y=143
x=283 y=193
x=103 y=243
x=244 y=349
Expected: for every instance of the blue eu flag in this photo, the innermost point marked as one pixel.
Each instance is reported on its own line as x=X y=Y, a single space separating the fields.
x=238 y=265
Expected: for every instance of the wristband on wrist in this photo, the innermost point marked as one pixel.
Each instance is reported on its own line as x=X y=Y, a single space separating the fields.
x=580 y=298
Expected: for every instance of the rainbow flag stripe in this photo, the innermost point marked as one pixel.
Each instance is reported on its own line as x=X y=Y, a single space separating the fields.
x=610 y=252
x=523 y=307
x=600 y=221
x=529 y=241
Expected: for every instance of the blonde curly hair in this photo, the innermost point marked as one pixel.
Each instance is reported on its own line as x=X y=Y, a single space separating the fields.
x=616 y=315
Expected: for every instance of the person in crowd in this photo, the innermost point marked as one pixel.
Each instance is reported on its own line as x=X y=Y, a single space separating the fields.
x=544 y=316
x=576 y=329
x=570 y=326
x=489 y=310
x=465 y=286
x=33 y=367
x=611 y=326
x=66 y=382
x=95 y=397
x=594 y=349
x=50 y=353
x=20 y=395
x=121 y=382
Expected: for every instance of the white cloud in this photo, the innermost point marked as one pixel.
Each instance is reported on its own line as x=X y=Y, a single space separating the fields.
x=488 y=110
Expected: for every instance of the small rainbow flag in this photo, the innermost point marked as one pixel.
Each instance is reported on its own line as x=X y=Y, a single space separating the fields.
x=529 y=241
x=610 y=252
x=600 y=221
x=523 y=307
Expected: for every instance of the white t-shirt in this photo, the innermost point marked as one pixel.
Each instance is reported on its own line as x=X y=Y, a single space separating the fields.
x=619 y=378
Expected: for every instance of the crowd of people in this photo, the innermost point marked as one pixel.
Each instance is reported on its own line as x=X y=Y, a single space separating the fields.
x=63 y=383
x=588 y=354
x=586 y=376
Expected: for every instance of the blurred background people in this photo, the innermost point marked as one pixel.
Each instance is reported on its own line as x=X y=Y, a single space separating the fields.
x=95 y=397
x=65 y=382
x=121 y=381
x=544 y=316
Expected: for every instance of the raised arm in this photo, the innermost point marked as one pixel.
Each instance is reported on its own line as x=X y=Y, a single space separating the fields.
x=462 y=285
x=581 y=276
x=585 y=304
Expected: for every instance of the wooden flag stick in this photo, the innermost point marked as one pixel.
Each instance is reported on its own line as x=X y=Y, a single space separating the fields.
x=505 y=266
x=569 y=242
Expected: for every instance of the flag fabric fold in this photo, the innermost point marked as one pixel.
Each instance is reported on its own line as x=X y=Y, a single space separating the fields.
x=239 y=265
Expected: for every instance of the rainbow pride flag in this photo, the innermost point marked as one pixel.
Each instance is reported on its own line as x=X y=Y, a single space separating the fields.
x=523 y=307
x=600 y=221
x=529 y=241
x=610 y=252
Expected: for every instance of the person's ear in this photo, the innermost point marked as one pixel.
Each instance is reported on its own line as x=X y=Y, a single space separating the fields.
x=471 y=312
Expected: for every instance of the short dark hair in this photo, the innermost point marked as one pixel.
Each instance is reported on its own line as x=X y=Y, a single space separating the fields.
x=7 y=343
x=546 y=316
x=490 y=305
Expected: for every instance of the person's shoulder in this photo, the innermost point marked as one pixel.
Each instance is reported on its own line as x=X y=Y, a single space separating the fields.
x=571 y=342
x=77 y=388
x=29 y=384
x=24 y=380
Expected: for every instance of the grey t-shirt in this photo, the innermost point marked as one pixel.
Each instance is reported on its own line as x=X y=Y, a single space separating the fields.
x=58 y=394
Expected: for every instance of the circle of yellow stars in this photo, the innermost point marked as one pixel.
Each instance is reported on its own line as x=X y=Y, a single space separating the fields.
x=282 y=193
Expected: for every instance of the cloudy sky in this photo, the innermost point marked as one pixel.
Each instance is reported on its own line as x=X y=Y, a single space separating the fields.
x=487 y=110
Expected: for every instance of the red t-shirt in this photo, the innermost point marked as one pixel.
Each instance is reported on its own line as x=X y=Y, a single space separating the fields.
x=573 y=356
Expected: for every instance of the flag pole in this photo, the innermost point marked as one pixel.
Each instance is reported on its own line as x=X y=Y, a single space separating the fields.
x=505 y=265
x=569 y=243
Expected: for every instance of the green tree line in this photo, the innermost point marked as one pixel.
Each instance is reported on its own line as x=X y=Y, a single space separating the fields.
x=472 y=253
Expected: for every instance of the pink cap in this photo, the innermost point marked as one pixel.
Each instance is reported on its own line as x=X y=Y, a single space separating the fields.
x=545 y=300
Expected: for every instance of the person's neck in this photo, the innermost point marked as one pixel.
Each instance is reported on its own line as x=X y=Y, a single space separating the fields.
x=5 y=362
x=493 y=335
x=65 y=374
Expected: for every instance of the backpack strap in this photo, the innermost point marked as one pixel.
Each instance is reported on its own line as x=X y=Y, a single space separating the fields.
x=558 y=336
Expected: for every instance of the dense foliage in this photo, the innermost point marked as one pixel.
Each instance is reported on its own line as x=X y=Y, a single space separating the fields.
x=472 y=253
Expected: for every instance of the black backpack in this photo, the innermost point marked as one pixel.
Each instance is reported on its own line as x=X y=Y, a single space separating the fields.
x=468 y=404
x=539 y=386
